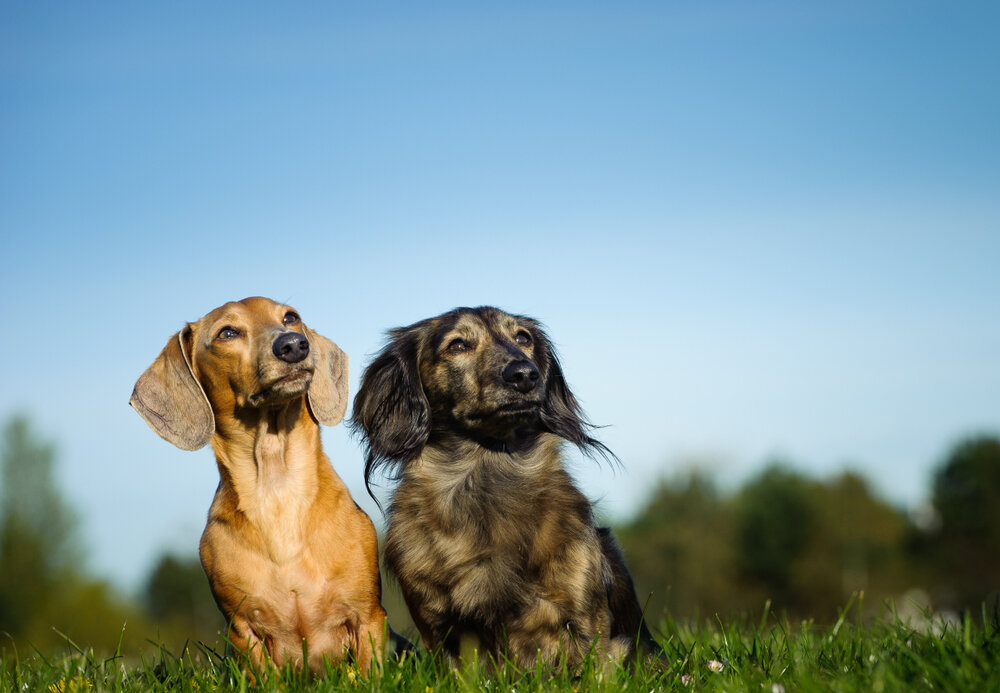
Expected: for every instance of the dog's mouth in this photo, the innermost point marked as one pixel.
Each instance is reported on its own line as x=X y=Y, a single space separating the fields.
x=291 y=378
x=508 y=416
x=517 y=408
x=289 y=385
x=502 y=416
x=500 y=422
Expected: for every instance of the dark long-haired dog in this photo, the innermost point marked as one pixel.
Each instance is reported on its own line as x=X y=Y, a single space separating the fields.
x=488 y=535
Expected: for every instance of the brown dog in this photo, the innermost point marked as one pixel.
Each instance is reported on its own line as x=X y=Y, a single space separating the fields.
x=291 y=559
x=488 y=535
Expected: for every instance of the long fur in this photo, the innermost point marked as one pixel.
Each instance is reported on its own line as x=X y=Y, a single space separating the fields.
x=488 y=535
x=392 y=413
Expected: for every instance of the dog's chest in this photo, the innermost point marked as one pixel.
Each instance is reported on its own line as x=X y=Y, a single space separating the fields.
x=281 y=522
x=486 y=506
x=475 y=536
x=297 y=603
x=279 y=500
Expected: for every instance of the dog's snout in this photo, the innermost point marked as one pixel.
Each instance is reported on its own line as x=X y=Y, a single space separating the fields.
x=291 y=347
x=521 y=375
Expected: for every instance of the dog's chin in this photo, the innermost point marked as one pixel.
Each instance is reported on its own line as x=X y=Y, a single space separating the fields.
x=501 y=423
x=517 y=410
x=284 y=388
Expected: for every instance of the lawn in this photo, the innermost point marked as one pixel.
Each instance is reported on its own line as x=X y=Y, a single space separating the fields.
x=765 y=653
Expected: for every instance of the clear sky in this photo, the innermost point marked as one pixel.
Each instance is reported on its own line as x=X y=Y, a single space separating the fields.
x=754 y=229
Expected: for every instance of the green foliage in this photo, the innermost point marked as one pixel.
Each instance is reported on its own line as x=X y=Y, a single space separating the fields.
x=801 y=544
x=964 y=550
x=178 y=599
x=38 y=545
x=680 y=550
x=741 y=654
x=45 y=597
x=774 y=523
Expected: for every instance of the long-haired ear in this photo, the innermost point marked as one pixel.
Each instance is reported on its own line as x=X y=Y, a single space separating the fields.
x=561 y=413
x=390 y=410
x=171 y=400
x=327 y=395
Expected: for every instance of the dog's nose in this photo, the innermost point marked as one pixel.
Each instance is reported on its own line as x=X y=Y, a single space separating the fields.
x=521 y=375
x=291 y=347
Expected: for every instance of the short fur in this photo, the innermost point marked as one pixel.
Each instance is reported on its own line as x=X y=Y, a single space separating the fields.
x=288 y=554
x=488 y=535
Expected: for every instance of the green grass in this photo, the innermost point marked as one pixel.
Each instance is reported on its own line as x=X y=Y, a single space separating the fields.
x=761 y=654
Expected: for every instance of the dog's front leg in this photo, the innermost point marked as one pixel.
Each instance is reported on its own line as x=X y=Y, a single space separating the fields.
x=245 y=640
x=550 y=631
x=369 y=647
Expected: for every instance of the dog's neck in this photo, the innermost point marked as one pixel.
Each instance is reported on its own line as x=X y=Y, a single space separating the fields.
x=520 y=441
x=449 y=478
x=268 y=452
x=450 y=458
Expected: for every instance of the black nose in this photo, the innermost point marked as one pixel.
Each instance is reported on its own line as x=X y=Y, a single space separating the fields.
x=522 y=375
x=291 y=347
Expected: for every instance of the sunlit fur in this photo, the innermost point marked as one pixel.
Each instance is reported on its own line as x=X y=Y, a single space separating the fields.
x=291 y=559
x=488 y=535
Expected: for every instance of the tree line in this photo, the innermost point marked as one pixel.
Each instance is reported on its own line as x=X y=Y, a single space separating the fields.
x=807 y=545
x=804 y=545
x=49 y=601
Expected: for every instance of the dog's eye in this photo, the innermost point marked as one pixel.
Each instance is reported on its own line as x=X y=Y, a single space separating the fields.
x=291 y=318
x=458 y=345
x=228 y=332
x=523 y=338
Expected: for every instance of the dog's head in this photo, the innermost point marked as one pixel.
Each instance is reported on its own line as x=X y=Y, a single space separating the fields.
x=245 y=355
x=478 y=373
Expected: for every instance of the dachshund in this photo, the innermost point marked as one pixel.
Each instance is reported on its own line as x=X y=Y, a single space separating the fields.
x=490 y=539
x=291 y=559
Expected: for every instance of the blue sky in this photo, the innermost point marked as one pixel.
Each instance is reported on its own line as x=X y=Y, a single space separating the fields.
x=754 y=229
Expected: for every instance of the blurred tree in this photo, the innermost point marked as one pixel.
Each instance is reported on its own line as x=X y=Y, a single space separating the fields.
x=178 y=599
x=38 y=544
x=965 y=548
x=679 y=549
x=43 y=588
x=857 y=544
x=802 y=544
x=774 y=523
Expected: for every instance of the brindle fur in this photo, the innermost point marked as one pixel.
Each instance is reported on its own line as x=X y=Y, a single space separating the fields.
x=488 y=535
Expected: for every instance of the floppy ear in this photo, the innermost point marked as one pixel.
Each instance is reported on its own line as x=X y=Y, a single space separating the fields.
x=327 y=395
x=172 y=401
x=561 y=413
x=390 y=409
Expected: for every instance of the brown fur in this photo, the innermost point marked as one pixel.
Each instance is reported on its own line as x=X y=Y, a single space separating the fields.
x=289 y=556
x=489 y=537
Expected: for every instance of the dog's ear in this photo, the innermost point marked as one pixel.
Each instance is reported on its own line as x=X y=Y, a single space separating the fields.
x=171 y=400
x=328 y=391
x=390 y=409
x=561 y=413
